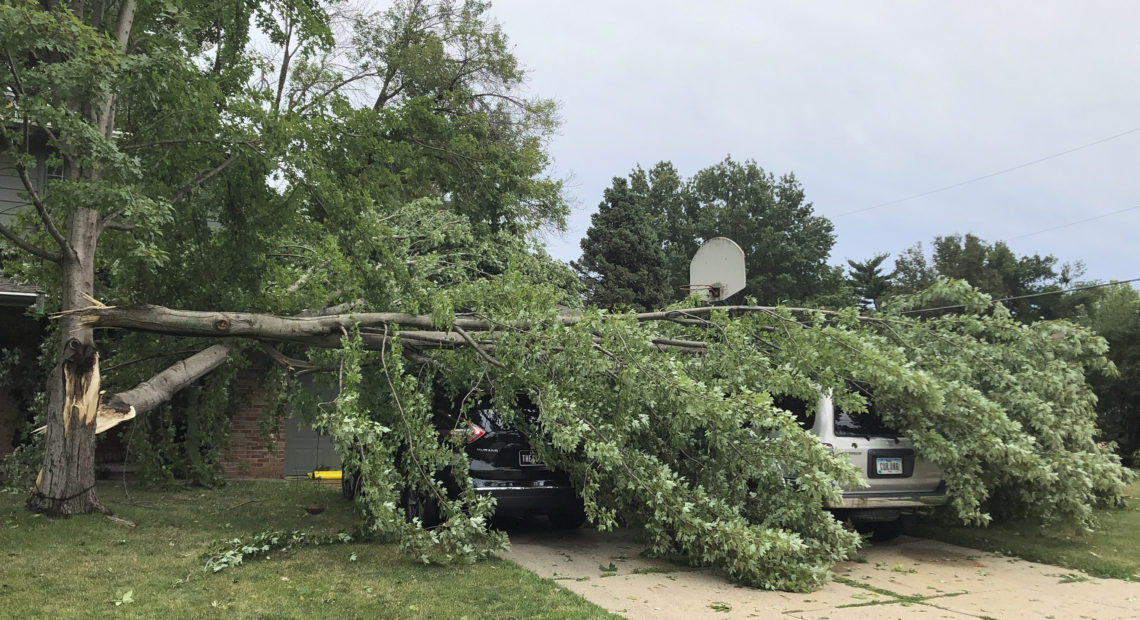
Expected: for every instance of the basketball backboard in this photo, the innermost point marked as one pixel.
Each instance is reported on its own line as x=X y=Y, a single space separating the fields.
x=717 y=270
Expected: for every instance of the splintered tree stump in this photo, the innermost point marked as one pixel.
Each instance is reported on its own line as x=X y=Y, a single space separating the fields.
x=66 y=484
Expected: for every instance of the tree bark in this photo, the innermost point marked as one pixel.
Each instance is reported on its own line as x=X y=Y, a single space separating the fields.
x=66 y=484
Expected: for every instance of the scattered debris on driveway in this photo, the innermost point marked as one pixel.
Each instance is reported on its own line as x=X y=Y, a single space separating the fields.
x=906 y=578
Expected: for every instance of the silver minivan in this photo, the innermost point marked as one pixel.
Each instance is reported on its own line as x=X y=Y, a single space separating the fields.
x=897 y=482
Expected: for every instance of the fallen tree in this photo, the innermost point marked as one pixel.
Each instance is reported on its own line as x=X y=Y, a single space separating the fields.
x=691 y=447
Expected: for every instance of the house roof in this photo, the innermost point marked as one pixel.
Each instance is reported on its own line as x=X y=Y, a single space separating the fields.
x=8 y=286
x=19 y=295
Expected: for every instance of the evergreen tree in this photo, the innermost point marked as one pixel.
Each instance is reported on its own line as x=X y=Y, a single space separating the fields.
x=869 y=282
x=623 y=263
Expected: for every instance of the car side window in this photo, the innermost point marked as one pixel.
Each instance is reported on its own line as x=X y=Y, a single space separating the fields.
x=803 y=410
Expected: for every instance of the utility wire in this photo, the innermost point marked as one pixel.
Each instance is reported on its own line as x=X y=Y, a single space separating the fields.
x=1087 y=219
x=992 y=174
x=1042 y=294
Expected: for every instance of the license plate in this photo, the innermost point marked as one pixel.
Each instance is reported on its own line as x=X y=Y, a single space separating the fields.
x=889 y=466
x=526 y=457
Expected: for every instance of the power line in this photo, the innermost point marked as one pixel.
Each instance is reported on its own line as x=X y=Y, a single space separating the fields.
x=992 y=174
x=1087 y=219
x=1042 y=294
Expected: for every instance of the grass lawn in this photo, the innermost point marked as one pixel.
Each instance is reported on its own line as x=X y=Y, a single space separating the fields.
x=82 y=566
x=1113 y=550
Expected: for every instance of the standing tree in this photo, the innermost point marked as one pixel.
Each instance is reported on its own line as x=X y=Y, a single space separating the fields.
x=223 y=177
x=785 y=245
x=623 y=263
x=1114 y=313
x=912 y=271
x=993 y=269
x=869 y=282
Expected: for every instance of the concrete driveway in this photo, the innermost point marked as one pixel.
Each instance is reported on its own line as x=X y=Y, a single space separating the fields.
x=907 y=578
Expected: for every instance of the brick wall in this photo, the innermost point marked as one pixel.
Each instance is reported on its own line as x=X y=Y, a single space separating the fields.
x=248 y=456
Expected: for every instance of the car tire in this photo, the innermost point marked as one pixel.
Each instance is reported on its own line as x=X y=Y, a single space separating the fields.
x=418 y=504
x=888 y=530
x=567 y=520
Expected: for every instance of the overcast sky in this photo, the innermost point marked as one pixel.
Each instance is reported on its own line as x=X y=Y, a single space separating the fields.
x=866 y=102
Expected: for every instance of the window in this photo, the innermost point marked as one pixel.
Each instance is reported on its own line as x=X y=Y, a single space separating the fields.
x=803 y=410
x=869 y=424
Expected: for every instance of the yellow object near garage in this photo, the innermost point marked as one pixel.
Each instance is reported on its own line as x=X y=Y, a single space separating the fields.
x=324 y=475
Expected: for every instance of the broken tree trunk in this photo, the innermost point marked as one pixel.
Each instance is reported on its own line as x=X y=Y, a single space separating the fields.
x=115 y=409
x=66 y=484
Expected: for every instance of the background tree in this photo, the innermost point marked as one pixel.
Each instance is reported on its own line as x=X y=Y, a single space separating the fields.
x=993 y=269
x=868 y=280
x=785 y=245
x=912 y=272
x=623 y=262
x=1114 y=313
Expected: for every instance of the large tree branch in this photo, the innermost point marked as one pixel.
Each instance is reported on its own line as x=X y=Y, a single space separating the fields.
x=143 y=145
x=159 y=319
x=314 y=331
x=41 y=208
x=160 y=388
x=201 y=179
x=106 y=119
x=319 y=329
x=332 y=89
x=290 y=362
x=28 y=246
x=20 y=91
x=287 y=57
x=118 y=408
x=126 y=22
x=15 y=74
x=111 y=223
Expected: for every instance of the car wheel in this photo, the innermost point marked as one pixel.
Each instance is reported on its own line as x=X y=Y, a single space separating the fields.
x=888 y=530
x=419 y=505
x=569 y=519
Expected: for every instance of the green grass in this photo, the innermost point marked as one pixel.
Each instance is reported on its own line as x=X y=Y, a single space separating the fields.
x=79 y=567
x=1113 y=550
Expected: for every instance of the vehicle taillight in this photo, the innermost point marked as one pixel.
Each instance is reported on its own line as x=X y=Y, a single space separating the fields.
x=828 y=446
x=471 y=434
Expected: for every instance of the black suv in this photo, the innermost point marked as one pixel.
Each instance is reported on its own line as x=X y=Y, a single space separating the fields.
x=502 y=465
